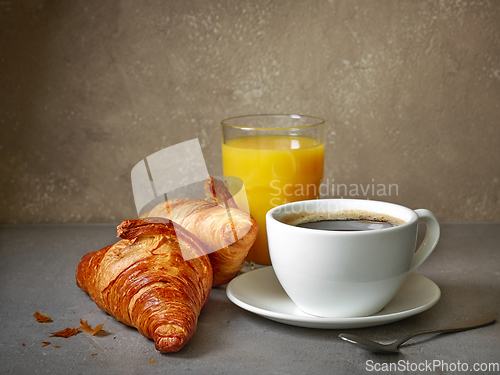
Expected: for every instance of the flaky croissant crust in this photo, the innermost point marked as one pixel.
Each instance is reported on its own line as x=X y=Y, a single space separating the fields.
x=226 y=231
x=144 y=282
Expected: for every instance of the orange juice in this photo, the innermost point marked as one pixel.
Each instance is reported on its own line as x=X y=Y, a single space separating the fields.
x=275 y=170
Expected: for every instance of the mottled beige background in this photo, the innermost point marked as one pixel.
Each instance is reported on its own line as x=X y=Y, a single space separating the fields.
x=410 y=91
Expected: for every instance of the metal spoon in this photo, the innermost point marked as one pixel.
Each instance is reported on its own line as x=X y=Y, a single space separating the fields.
x=478 y=321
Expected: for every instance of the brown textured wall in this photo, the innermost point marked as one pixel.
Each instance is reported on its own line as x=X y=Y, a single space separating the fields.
x=410 y=91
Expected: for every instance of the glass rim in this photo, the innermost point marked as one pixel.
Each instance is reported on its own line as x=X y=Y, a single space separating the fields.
x=320 y=121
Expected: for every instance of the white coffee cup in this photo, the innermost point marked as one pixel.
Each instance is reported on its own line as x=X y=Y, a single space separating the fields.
x=346 y=273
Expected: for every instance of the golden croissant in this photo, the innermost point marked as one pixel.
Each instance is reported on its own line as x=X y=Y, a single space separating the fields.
x=144 y=281
x=226 y=231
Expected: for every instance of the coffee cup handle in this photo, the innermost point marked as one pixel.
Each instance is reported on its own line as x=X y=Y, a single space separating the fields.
x=430 y=240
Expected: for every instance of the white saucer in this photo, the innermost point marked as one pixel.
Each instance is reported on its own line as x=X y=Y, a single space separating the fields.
x=260 y=292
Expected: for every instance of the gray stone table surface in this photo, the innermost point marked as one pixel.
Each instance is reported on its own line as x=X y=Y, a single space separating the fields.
x=37 y=266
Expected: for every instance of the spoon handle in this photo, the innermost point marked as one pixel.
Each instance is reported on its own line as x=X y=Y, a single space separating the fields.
x=477 y=321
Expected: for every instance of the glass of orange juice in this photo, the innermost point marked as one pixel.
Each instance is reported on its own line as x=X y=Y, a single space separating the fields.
x=280 y=159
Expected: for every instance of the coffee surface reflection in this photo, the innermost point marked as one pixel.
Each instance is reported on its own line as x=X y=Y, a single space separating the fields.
x=346 y=225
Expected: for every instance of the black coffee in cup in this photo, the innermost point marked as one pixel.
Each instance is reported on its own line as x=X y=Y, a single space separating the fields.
x=346 y=225
x=346 y=220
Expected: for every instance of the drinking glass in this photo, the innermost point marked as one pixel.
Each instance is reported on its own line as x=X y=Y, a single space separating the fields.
x=280 y=159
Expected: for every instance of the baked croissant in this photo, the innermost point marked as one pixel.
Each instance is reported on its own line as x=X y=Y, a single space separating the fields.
x=144 y=281
x=227 y=232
